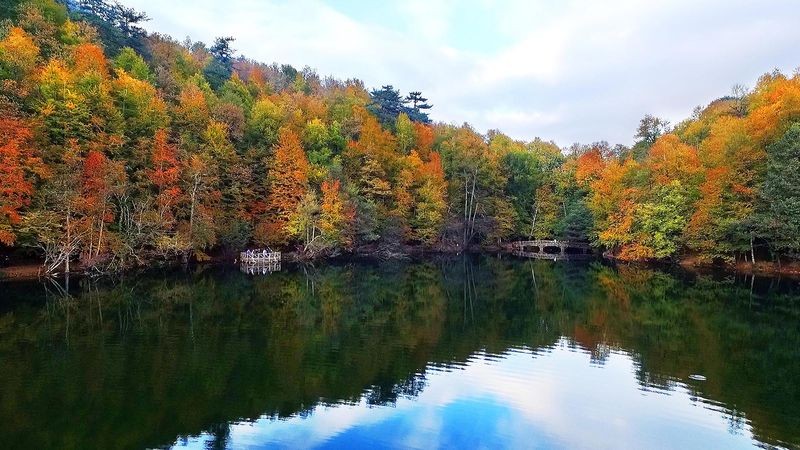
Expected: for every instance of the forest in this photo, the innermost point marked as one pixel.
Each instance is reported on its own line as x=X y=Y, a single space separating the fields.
x=119 y=147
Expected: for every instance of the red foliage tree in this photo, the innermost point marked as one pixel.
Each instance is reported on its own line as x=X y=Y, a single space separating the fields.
x=18 y=166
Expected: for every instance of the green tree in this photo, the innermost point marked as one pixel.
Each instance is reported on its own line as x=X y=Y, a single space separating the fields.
x=118 y=25
x=780 y=194
x=661 y=221
x=419 y=105
x=220 y=66
x=648 y=131
x=386 y=105
x=132 y=63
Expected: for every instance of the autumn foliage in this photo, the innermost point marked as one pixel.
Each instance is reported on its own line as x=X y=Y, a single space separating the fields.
x=117 y=152
x=288 y=184
x=19 y=165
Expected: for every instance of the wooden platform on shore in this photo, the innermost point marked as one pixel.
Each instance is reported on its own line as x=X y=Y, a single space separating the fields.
x=259 y=262
x=259 y=257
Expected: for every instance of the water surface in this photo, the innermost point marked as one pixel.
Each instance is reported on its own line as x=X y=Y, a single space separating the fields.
x=447 y=353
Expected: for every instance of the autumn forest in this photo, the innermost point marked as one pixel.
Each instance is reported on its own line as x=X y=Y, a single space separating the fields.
x=119 y=147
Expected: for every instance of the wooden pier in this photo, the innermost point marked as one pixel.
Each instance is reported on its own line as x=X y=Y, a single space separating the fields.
x=259 y=257
x=261 y=261
x=551 y=249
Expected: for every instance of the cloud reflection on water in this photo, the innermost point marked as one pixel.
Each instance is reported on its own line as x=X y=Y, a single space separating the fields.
x=523 y=399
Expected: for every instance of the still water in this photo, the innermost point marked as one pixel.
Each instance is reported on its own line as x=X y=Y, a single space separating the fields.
x=445 y=353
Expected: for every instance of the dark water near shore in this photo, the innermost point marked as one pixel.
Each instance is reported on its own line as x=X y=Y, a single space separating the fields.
x=452 y=353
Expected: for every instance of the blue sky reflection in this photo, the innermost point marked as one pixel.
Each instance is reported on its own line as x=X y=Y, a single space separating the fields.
x=556 y=399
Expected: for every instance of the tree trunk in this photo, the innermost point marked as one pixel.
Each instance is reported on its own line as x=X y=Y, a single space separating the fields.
x=69 y=244
x=472 y=225
x=473 y=206
x=466 y=211
x=100 y=238
x=533 y=223
x=191 y=207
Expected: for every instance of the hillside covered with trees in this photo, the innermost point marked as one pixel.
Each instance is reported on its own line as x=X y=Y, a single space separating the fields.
x=119 y=146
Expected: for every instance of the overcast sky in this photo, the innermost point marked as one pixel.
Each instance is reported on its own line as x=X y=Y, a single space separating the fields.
x=570 y=71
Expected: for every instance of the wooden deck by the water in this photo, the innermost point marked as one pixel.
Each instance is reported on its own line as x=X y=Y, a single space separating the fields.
x=258 y=257
x=259 y=261
x=551 y=249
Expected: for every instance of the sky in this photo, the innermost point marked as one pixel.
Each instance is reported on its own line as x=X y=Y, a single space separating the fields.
x=568 y=71
x=519 y=399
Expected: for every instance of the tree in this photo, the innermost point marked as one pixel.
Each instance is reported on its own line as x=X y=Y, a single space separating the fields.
x=20 y=165
x=418 y=107
x=288 y=180
x=373 y=181
x=386 y=105
x=648 y=131
x=18 y=55
x=101 y=178
x=222 y=51
x=118 y=25
x=418 y=101
x=336 y=216
x=48 y=24
x=780 y=194
x=303 y=224
x=370 y=162
x=424 y=140
x=732 y=167
x=316 y=143
x=65 y=113
x=201 y=186
x=466 y=158
x=10 y=9
x=670 y=159
x=165 y=174
x=590 y=166
x=613 y=204
x=142 y=109
x=429 y=213
x=659 y=223
x=220 y=66
x=133 y=64
x=405 y=132
x=265 y=121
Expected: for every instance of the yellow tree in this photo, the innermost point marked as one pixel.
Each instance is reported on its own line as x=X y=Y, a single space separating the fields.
x=613 y=202
x=336 y=216
x=18 y=55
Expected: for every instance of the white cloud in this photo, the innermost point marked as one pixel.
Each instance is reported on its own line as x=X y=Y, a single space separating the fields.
x=568 y=71
x=553 y=399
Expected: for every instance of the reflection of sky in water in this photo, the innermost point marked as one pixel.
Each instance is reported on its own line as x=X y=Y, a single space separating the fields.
x=554 y=399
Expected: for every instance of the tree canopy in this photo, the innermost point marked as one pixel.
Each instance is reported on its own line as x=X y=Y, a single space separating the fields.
x=118 y=146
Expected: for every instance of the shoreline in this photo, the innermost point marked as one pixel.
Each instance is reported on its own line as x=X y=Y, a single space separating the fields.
x=765 y=268
x=28 y=271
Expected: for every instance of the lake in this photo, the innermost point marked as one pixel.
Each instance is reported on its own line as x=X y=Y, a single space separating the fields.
x=451 y=352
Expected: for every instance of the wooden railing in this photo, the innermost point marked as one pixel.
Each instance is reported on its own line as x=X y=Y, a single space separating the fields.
x=259 y=257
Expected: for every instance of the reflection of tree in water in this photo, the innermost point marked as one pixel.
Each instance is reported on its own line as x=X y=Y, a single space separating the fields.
x=220 y=434
x=389 y=393
x=176 y=354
